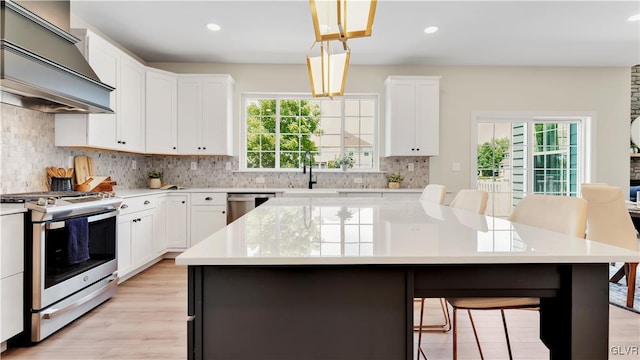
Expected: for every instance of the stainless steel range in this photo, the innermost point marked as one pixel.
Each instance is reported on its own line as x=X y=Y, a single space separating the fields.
x=70 y=256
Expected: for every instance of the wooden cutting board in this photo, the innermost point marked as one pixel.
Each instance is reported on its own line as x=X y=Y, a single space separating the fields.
x=81 y=164
x=97 y=180
x=92 y=166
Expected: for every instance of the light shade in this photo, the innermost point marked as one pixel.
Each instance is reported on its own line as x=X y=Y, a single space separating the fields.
x=342 y=19
x=327 y=71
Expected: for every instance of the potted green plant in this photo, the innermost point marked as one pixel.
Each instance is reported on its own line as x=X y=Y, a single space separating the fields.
x=344 y=162
x=394 y=180
x=155 y=179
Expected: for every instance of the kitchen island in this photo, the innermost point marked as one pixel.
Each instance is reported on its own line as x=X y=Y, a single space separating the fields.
x=313 y=278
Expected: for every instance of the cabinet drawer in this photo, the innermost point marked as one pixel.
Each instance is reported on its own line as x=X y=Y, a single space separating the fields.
x=139 y=203
x=209 y=199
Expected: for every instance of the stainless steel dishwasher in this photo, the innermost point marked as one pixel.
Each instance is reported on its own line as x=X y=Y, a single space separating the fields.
x=239 y=204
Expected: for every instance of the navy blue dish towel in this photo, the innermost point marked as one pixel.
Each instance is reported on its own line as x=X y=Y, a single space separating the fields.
x=78 y=240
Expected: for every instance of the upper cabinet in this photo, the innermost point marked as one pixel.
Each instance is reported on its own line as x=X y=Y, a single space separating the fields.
x=205 y=124
x=412 y=115
x=125 y=129
x=162 y=112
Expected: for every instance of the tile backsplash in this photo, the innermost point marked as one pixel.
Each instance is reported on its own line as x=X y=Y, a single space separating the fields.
x=27 y=147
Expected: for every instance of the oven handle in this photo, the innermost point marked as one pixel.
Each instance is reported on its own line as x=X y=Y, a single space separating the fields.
x=53 y=313
x=61 y=224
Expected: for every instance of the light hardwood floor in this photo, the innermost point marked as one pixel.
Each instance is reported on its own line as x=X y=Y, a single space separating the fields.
x=146 y=319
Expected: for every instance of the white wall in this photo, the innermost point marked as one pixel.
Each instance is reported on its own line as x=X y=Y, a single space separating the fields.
x=604 y=91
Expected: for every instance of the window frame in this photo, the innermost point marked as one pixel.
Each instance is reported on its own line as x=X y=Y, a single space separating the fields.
x=375 y=148
x=586 y=141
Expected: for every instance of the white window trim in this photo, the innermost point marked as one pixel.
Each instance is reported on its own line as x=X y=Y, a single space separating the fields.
x=587 y=120
x=242 y=156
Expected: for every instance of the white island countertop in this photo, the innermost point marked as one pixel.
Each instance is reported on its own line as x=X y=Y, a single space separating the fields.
x=346 y=231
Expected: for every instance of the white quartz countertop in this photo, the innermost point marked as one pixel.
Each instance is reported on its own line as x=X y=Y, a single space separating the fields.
x=8 y=209
x=341 y=230
x=140 y=192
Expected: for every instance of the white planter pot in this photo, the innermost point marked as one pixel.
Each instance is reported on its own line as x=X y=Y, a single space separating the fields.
x=155 y=183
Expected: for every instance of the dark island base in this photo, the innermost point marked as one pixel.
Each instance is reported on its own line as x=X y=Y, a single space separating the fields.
x=366 y=312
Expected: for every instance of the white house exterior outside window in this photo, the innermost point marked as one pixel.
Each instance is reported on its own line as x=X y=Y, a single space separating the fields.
x=517 y=154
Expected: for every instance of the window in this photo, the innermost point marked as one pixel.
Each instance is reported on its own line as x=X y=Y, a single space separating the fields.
x=517 y=155
x=279 y=129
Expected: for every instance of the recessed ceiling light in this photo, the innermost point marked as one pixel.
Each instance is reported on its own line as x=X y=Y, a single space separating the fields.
x=430 y=29
x=635 y=17
x=213 y=27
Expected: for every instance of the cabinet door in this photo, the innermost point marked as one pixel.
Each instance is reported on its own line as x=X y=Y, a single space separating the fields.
x=11 y=305
x=427 y=126
x=160 y=227
x=104 y=59
x=131 y=130
x=215 y=122
x=161 y=113
x=11 y=245
x=125 y=234
x=400 y=119
x=189 y=116
x=206 y=220
x=142 y=238
x=177 y=228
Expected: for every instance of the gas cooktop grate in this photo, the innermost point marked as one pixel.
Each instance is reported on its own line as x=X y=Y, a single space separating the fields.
x=31 y=196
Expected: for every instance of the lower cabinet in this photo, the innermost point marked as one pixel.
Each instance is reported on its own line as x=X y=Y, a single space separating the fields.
x=172 y=227
x=208 y=215
x=11 y=275
x=136 y=235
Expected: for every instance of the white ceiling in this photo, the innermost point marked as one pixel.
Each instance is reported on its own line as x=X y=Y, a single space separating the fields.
x=519 y=33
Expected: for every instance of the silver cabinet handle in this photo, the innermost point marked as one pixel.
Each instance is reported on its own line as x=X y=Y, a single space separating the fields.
x=124 y=206
x=147 y=202
x=191 y=318
x=208 y=198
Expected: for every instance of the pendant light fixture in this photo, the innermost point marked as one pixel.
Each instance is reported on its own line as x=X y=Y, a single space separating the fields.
x=342 y=19
x=328 y=70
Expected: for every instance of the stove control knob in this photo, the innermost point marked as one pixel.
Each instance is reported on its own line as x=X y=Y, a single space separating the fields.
x=51 y=201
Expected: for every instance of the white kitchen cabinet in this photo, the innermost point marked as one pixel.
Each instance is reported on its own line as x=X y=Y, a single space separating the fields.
x=208 y=215
x=136 y=235
x=161 y=112
x=131 y=100
x=125 y=129
x=412 y=115
x=172 y=226
x=11 y=275
x=205 y=110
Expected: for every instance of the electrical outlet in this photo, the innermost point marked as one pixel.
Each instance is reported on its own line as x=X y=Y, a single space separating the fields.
x=455 y=166
x=134 y=165
x=194 y=165
x=260 y=180
x=70 y=162
x=410 y=167
x=228 y=165
x=357 y=180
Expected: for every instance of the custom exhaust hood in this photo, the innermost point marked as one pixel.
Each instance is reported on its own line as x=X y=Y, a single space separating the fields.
x=40 y=66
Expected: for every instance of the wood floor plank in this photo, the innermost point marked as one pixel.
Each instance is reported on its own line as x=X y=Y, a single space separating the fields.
x=146 y=319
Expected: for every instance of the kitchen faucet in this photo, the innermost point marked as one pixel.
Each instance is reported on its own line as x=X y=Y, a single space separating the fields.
x=307 y=154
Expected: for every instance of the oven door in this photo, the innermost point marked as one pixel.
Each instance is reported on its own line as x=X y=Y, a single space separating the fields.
x=53 y=277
